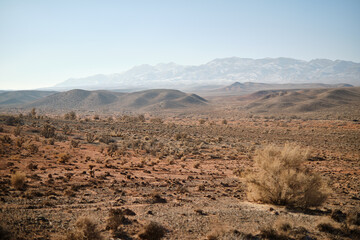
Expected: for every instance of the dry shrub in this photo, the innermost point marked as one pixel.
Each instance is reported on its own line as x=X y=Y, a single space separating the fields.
x=353 y=218
x=48 y=131
x=282 y=178
x=18 y=180
x=153 y=231
x=115 y=221
x=6 y=139
x=105 y=139
x=202 y=121
x=4 y=233
x=70 y=115
x=74 y=143
x=19 y=142
x=13 y=121
x=67 y=130
x=156 y=120
x=17 y=131
x=112 y=148
x=32 y=148
x=271 y=233
x=85 y=229
x=64 y=157
x=90 y=137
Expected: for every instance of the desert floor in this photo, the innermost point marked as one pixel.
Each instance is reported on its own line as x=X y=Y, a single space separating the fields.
x=186 y=174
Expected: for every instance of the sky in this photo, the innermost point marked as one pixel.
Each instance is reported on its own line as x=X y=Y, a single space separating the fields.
x=45 y=42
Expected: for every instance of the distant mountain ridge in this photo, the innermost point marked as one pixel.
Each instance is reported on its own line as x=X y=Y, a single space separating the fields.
x=223 y=71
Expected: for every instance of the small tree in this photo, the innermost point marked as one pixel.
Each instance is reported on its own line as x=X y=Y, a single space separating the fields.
x=282 y=178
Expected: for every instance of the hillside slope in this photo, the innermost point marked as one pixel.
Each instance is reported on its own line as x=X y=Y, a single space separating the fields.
x=305 y=100
x=117 y=101
x=22 y=97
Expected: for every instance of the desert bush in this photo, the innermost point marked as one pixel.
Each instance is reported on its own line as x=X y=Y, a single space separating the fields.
x=19 y=142
x=33 y=113
x=18 y=180
x=70 y=115
x=85 y=229
x=153 y=231
x=271 y=233
x=282 y=178
x=6 y=139
x=51 y=141
x=17 y=130
x=13 y=121
x=156 y=120
x=32 y=148
x=4 y=233
x=32 y=166
x=64 y=157
x=67 y=130
x=112 y=148
x=219 y=233
x=105 y=139
x=74 y=143
x=90 y=137
x=115 y=219
x=47 y=131
x=353 y=218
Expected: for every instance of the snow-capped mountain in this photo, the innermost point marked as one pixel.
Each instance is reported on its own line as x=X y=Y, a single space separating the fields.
x=223 y=72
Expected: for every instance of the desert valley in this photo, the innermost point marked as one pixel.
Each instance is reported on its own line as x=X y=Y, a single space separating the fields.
x=153 y=164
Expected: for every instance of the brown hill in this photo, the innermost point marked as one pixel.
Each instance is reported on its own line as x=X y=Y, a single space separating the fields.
x=137 y=101
x=12 y=98
x=305 y=100
x=239 y=88
x=76 y=99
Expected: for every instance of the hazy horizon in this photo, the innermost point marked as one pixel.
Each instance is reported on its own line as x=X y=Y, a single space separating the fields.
x=44 y=43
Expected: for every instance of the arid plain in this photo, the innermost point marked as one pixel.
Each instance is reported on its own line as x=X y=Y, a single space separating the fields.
x=178 y=169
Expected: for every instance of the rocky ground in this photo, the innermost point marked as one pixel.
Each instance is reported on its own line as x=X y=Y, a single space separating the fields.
x=185 y=174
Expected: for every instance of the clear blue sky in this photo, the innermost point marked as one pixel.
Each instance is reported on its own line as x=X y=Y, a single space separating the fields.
x=44 y=42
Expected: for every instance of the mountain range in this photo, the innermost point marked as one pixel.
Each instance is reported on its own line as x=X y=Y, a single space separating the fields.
x=221 y=72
